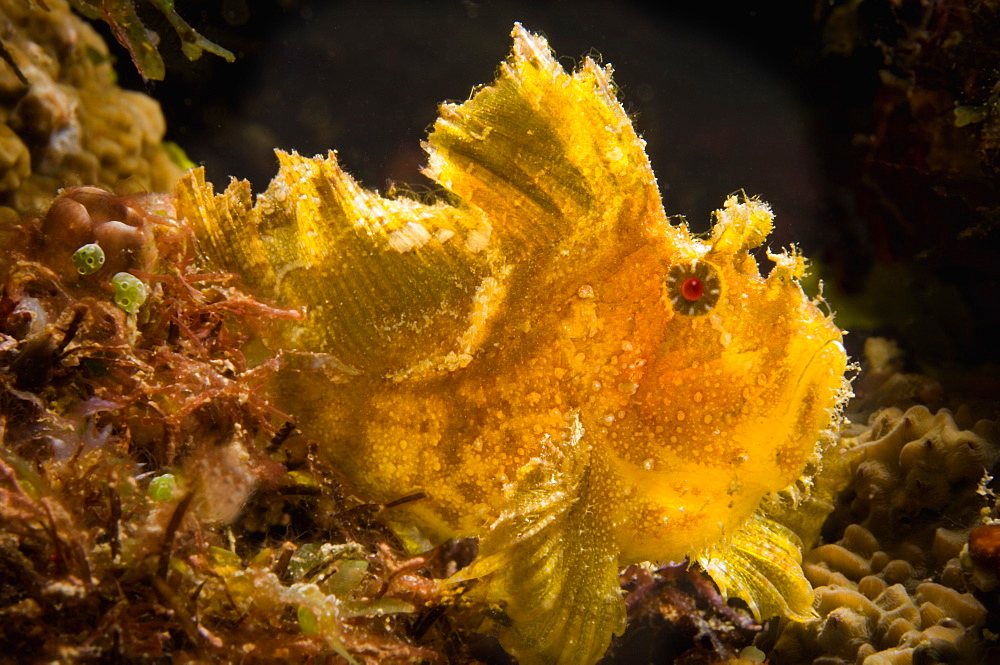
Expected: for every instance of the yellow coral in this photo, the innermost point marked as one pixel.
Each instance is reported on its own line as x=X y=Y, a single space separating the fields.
x=65 y=122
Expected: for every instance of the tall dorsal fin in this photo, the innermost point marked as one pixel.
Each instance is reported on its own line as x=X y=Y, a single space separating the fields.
x=544 y=164
x=387 y=283
x=550 y=157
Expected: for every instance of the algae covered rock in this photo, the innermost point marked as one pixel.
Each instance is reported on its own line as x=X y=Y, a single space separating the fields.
x=147 y=499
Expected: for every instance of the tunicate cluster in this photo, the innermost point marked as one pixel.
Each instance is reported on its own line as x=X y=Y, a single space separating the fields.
x=84 y=223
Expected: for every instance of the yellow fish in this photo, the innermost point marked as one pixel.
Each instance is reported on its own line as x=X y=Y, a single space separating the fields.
x=557 y=367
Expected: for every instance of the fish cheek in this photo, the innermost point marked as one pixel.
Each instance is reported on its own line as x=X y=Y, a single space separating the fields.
x=693 y=411
x=811 y=406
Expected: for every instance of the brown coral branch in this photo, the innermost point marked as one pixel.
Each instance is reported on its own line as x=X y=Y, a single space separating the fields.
x=168 y=535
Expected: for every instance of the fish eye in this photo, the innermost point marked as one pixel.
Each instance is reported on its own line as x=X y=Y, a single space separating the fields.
x=693 y=288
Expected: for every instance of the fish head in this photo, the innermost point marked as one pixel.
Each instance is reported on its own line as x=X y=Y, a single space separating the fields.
x=745 y=379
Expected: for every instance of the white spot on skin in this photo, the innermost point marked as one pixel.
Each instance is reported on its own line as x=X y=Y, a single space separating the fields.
x=724 y=335
x=410 y=236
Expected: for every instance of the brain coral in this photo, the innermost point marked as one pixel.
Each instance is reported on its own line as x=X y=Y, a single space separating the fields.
x=892 y=589
x=63 y=121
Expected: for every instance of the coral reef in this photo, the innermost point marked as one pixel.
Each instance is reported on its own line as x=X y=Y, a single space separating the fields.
x=890 y=584
x=63 y=121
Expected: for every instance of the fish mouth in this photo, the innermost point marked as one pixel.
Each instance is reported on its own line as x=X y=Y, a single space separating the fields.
x=812 y=405
x=820 y=368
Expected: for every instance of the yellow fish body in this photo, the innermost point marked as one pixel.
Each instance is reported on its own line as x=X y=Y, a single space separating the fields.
x=559 y=369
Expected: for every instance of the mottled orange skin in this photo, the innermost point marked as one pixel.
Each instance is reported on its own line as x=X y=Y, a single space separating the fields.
x=690 y=431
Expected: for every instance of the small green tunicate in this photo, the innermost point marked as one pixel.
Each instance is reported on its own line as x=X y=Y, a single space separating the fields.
x=162 y=488
x=307 y=621
x=88 y=259
x=752 y=653
x=348 y=577
x=130 y=293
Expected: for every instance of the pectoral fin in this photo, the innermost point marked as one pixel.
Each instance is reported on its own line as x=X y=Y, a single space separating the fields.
x=551 y=561
x=762 y=564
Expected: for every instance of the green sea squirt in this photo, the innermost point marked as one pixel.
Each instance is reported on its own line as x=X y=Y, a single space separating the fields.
x=88 y=259
x=556 y=367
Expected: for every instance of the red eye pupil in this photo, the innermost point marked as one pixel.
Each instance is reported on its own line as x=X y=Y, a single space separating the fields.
x=692 y=289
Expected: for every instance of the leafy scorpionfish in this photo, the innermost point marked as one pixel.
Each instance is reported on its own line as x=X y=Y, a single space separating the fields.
x=556 y=366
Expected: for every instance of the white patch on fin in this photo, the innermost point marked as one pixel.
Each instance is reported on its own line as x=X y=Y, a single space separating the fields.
x=478 y=239
x=486 y=301
x=441 y=235
x=410 y=236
